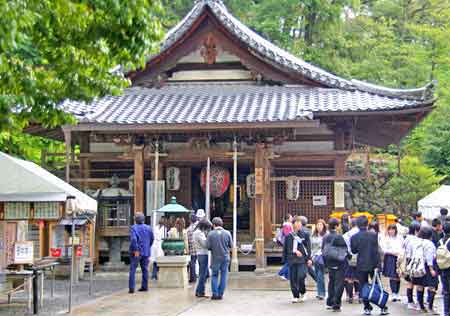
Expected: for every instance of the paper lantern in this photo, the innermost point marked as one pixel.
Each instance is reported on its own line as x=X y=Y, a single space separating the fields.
x=173 y=178
x=219 y=181
x=292 y=188
x=251 y=185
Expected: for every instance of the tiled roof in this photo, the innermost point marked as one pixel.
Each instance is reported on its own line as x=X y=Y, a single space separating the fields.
x=191 y=103
x=282 y=58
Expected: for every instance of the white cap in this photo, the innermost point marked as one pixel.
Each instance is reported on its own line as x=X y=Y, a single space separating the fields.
x=200 y=213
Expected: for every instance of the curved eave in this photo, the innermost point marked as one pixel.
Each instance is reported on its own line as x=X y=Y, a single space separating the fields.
x=276 y=56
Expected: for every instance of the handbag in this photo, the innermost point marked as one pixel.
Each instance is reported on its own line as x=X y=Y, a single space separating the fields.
x=375 y=293
x=334 y=253
x=319 y=260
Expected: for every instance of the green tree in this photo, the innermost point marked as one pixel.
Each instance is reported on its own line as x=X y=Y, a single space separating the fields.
x=52 y=50
x=415 y=181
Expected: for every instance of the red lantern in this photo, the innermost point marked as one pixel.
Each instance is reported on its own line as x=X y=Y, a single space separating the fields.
x=219 y=181
x=41 y=223
x=55 y=252
x=79 y=251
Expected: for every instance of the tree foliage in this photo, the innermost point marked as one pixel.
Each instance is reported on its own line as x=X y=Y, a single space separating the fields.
x=415 y=181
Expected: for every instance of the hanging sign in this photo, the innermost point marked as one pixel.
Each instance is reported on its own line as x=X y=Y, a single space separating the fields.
x=173 y=178
x=250 y=180
x=23 y=252
x=292 y=188
x=319 y=200
x=219 y=180
x=339 y=194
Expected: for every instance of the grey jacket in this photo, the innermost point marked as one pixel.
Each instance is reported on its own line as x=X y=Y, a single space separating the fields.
x=219 y=241
x=200 y=245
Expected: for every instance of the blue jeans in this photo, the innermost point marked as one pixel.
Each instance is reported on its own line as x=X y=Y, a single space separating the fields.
x=134 y=262
x=155 y=271
x=192 y=273
x=202 y=274
x=284 y=271
x=218 y=287
x=445 y=280
x=320 y=279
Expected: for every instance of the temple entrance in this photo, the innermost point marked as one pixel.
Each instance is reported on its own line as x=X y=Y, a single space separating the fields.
x=222 y=206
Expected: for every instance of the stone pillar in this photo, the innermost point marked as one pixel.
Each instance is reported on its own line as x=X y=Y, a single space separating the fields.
x=115 y=260
x=259 y=208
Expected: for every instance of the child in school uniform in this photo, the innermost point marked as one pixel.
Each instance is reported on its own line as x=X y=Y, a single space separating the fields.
x=392 y=246
x=430 y=280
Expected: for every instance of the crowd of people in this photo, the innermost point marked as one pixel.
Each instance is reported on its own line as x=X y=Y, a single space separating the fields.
x=207 y=243
x=356 y=254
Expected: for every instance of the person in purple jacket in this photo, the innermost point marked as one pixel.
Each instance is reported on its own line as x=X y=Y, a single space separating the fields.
x=141 y=240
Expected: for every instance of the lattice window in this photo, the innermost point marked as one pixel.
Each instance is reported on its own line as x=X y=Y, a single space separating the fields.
x=308 y=189
x=17 y=210
x=46 y=210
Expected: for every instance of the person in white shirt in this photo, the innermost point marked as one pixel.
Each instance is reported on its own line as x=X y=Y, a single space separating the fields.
x=351 y=280
x=430 y=279
x=392 y=246
x=159 y=233
x=410 y=243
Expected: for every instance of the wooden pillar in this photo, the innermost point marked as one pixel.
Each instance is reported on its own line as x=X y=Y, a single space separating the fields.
x=139 y=179
x=68 y=142
x=259 y=207
x=84 y=162
x=267 y=197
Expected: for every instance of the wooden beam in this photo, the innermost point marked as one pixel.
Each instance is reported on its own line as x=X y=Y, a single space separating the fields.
x=139 y=179
x=259 y=206
x=320 y=178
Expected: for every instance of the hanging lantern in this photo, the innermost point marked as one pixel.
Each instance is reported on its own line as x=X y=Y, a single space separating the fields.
x=173 y=178
x=251 y=185
x=292 y=188
x=219 y=181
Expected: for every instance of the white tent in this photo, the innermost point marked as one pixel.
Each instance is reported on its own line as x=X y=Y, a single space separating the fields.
x=432 y=203
x=24 y=181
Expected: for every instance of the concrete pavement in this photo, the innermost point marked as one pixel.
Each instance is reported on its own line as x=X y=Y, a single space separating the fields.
x=247 y=295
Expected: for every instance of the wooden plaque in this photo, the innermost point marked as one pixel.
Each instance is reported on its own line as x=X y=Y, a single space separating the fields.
x=23 y=252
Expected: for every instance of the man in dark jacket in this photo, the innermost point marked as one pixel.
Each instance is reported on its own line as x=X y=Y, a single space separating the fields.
x=365 y=245
x=141 y=240
x=438 y=232
x=336 y=268
x=297 y=252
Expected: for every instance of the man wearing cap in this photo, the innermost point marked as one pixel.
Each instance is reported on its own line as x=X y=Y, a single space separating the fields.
x=192 y=250
x=141 y=240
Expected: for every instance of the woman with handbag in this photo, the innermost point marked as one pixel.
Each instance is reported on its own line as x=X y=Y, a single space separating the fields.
x=335 y=254
x=430 y=279
x=351 y=279
x=410 y=244
x=392 y=247
x=316 y=253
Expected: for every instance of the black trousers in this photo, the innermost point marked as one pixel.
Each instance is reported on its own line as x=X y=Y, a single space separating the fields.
x=363 y=278
x=297 y=276
x=335 y=286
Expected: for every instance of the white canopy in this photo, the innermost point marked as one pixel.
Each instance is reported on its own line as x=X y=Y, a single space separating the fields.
x=431 y=205
x=24 y=181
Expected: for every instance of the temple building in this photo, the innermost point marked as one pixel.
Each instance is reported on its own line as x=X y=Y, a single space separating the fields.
x=271 y=131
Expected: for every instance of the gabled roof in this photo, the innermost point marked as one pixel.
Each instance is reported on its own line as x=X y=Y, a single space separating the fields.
x=283 y=59
x=243 y=102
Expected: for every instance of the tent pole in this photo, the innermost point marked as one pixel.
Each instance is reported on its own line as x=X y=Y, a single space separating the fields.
x=207 y=189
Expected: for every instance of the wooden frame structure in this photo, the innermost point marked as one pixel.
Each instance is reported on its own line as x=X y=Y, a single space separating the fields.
x=215 y=85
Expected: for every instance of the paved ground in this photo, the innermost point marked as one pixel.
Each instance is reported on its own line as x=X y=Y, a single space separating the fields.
x=247 y=294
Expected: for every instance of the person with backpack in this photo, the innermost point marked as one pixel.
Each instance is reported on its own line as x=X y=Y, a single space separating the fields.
x=411 y=242
x=438 y=232
x=443 y=261
x=297 y=252
x=285 y=230
x=365 y=245
x=316 y=253
x=429 y=279
x=335 y=265
x=351 y=279
x=392 y=246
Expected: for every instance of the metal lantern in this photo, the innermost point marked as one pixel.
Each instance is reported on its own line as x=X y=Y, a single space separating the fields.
x=251 y=185
x=219 y=180
x=292 y=188
x=173 y=178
